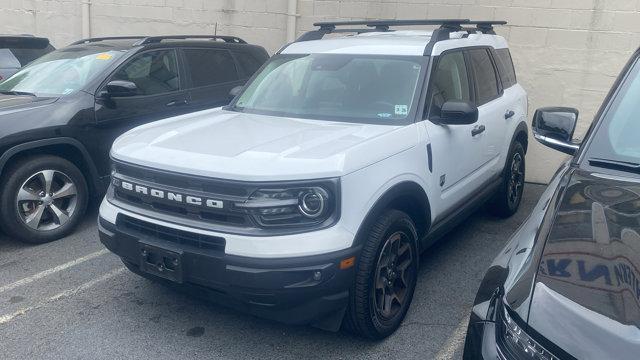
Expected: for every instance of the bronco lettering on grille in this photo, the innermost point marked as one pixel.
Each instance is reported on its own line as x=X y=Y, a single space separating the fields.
x=142 y=190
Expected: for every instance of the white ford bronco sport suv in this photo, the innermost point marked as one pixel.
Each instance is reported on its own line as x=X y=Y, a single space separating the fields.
x=310 y=197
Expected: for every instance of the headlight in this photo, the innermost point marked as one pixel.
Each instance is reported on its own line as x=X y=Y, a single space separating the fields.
x=517 y=343
x=296 y=206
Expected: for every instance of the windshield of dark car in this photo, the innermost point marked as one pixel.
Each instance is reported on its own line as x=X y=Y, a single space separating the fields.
x=618 y=137
x=61 y=72
x=379 y=89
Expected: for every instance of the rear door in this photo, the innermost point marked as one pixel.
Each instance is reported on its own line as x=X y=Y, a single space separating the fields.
x=211 y=74
x=160 y=95
x=490 y=129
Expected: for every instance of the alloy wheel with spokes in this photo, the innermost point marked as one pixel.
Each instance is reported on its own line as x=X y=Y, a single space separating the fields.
x=47 y=200
x=516 y=180
x=394 y=276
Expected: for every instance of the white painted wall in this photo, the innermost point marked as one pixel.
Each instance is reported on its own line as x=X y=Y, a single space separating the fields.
x=567 y=52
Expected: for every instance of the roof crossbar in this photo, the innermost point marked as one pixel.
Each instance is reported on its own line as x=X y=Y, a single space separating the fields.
x=157 y=39
x=442 y=33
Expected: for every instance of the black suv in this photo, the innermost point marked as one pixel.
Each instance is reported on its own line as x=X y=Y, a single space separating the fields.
x=567 y=284
x=17 y=51
x=61 y=113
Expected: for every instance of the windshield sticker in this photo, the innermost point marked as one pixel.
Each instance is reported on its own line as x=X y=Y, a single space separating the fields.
x=402 y=110
x=67 y=91
x=104 y=56
x=384 y=115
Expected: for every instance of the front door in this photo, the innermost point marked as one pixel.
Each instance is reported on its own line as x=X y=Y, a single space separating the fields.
x=455 y=149
x=159 y=95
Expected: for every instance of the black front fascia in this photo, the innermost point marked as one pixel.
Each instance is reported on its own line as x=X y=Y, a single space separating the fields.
x=227 y=219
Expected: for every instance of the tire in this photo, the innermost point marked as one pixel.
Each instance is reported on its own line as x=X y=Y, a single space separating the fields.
x=366 y=315
x=507 y=200
x=23 y=199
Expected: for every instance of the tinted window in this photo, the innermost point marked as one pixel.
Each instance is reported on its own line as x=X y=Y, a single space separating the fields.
x=26 y=56
x=485 y=76
x=7 y=60
x=153 y=72
x=210 y=67
x=617 y=137
x=248 y=63
x=450 y=81
x=505 y=67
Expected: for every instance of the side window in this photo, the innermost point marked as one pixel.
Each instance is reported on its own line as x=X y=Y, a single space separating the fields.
x=8 y=60
x=27 y=55
x=450 y=81
x=247 y=63
x=154 y=72
x=505 y=66
x=484 y=75
x=210 y=66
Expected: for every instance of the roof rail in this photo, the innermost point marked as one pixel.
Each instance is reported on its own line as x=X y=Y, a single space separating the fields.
x=96 y=39
x=157 y=39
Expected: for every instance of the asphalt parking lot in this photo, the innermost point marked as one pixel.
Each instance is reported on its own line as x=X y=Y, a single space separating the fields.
x=71 y=299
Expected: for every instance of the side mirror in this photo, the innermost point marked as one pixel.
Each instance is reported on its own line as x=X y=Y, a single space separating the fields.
x=121 y=88
x=456 y=112
x=236 y=91
x=554 y=127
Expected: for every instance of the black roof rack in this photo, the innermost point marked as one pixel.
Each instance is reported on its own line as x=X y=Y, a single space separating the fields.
x=157 y=39
x=96 y=39
x=442 y=33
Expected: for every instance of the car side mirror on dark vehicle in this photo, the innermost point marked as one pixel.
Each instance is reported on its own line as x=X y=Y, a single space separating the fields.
x=456 y=112
x=121 y=88
x=554 y=127
x=236 y=91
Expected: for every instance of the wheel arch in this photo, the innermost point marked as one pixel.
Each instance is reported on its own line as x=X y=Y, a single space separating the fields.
x=408 y=197
x=522 y=135
x=64 y=147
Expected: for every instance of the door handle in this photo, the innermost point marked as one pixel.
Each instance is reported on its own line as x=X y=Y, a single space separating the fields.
x=176 y=103
x=509 y=114
x=478 y=130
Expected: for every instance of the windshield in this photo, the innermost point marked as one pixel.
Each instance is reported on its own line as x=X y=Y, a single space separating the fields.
x=378 y=89
x=61 y=72
x=617 y=138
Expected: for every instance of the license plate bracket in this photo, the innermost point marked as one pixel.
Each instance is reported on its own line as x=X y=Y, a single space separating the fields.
x=161 y=262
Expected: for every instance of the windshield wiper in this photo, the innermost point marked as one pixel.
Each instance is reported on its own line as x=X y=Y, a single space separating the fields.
x=17 y=93
x=615 y=165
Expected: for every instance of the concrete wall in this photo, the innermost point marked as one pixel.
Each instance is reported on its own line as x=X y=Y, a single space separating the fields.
x=567 y=52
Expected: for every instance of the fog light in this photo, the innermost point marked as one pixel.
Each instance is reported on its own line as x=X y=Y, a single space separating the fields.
x=317 y=275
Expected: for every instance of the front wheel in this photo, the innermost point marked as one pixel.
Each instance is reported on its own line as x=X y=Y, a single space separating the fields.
x=43 y=199
x=507 y=200
x=386 y=277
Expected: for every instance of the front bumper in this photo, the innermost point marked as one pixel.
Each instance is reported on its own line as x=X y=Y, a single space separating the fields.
x=288 y=290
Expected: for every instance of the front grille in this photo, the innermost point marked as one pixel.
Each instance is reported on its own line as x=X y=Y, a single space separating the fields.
x=183 y=181
x=142 y=228
x=228 y=191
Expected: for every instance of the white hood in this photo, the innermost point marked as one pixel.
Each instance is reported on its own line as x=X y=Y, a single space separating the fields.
x=223 y=144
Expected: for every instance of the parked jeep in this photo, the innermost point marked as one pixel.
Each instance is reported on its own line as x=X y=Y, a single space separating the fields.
x=61 y=113
x=310 y=197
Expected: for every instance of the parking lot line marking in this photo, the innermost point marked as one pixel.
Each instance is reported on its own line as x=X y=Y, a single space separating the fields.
x=454 y=342
x=54 y=270
x=65 y=294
